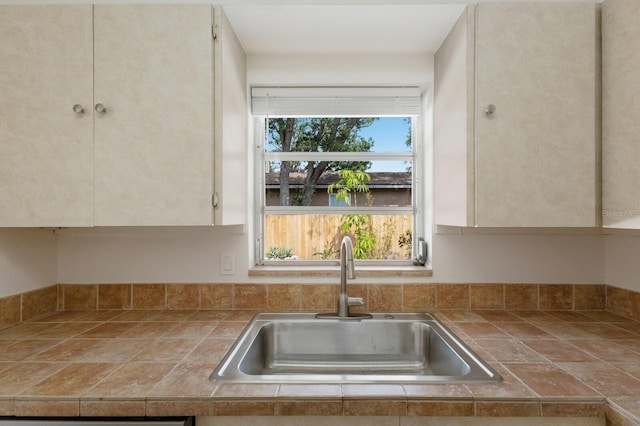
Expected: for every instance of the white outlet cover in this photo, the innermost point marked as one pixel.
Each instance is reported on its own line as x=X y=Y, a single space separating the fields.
x=227 y=264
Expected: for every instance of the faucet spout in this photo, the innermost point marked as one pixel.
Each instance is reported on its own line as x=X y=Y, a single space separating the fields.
x=347 y=272
x=346 y=250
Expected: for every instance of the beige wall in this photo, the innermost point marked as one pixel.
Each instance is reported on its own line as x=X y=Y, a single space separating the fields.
x=469 y=255
x=193 y=255
x=27 y=260
x=28 y=257
x=622 y=260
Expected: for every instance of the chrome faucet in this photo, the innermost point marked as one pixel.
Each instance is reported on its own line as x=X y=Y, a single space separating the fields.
x=347 y=272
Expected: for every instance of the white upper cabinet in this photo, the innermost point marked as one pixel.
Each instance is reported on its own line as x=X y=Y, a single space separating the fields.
x=516 y=117
x=46 y=149
x=621 y=113
x=141 y=148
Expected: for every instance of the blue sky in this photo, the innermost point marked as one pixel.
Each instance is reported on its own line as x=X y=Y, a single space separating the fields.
x=389 y=134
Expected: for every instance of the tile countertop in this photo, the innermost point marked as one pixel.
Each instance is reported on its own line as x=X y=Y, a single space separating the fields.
x=157 y=363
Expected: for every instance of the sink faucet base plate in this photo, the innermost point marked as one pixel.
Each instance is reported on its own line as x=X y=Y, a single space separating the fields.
x=335 y=315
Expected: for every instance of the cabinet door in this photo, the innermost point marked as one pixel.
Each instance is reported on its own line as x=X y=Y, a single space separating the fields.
x=154 y=141
x=46 y=149
x=536 y=154
x=453 y=128
x=621 y=112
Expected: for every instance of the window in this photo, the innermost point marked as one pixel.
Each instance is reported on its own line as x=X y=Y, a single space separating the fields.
x=345 y=164
x=344 y=200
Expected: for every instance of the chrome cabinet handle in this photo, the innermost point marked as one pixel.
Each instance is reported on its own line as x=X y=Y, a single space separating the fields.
x=100 y=108
x=77 y=108
x=490 y=109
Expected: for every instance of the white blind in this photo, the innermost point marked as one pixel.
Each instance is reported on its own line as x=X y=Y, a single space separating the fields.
x=335 y=101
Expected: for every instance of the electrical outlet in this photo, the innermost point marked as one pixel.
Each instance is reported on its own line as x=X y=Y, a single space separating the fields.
x=228 y=264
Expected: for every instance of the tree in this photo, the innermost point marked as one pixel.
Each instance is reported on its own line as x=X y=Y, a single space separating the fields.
x=333 y=134
x=282 y=130
x=350 y=181
x=407 y=141
x=358 y=225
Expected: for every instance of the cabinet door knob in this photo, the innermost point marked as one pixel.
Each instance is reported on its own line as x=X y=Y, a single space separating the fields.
x=490 y=109
x=77 y=108
x=100 y=108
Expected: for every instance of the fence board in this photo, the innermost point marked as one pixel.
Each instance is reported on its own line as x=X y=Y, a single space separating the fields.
x=309 y=235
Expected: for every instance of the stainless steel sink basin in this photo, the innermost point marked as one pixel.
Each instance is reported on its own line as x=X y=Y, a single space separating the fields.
x=299 y=347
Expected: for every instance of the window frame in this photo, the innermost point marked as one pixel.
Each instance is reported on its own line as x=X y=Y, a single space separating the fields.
x=417 y=208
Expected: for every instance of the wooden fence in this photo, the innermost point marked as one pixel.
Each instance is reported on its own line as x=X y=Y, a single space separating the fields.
x=319 y=236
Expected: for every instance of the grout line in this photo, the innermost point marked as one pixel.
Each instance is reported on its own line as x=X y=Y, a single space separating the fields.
x=97 y=305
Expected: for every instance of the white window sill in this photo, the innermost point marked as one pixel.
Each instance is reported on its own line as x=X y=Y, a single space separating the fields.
x=379 y=271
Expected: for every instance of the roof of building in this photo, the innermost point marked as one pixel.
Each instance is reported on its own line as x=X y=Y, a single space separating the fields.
x=378 y=179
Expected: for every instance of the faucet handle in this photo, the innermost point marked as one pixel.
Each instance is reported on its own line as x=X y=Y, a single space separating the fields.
x=355 y=301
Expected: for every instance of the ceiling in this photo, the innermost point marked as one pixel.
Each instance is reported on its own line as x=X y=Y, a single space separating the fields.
x=342 y=29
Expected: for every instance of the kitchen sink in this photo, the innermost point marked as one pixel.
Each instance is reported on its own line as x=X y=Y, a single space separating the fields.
x=394 y=347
